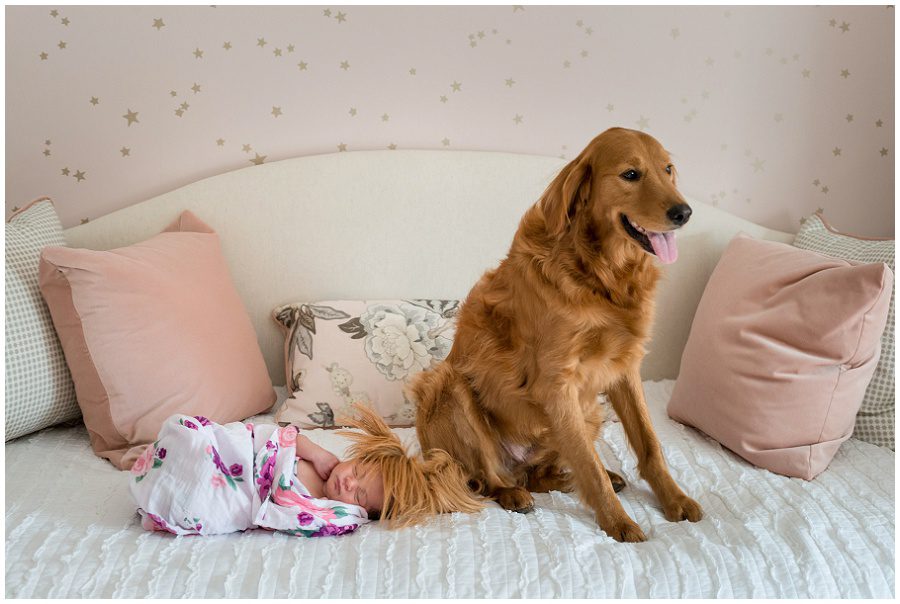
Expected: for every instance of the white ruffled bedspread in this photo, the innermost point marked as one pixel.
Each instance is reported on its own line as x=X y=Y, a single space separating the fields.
x=72 y=531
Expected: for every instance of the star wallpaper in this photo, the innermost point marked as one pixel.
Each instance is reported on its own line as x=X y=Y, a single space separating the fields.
x=769 y=112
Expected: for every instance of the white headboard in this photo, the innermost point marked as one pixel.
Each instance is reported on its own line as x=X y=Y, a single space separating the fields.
x=393 y=224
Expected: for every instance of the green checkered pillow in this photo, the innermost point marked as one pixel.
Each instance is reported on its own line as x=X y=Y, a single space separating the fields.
x=39 y=388
x=875 y=420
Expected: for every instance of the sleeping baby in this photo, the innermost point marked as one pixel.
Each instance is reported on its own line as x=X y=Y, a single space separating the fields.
x=202 y=478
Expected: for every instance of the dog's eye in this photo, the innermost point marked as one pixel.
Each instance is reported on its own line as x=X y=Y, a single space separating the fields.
x=630 y=175
x=669 y=169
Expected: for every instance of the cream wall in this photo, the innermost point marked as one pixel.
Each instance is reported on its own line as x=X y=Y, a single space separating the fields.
x=770 y=112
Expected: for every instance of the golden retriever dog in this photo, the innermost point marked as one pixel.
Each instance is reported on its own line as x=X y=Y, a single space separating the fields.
x=565 y=316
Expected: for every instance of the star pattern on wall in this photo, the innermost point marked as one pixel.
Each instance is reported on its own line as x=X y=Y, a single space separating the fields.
x=775 y=52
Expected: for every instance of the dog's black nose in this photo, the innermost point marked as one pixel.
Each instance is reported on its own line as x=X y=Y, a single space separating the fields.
x=679 y=214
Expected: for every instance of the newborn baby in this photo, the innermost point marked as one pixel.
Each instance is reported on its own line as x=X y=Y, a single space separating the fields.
x=203 y=478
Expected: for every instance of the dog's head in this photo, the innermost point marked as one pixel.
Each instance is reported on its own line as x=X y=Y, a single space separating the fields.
x=620 y=187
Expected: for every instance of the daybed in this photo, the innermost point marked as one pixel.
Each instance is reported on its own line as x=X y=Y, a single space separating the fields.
x=394 y=224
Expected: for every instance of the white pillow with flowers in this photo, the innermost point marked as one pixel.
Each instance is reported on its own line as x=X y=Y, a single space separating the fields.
x=341 y=352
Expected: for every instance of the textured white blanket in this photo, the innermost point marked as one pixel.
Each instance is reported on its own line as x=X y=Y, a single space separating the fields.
x=71 y=531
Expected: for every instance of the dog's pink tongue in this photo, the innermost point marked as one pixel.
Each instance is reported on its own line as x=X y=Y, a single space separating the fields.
x=664 y=246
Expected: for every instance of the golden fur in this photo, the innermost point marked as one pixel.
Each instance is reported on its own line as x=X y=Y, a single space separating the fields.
x=413 y=488
x=564 y=316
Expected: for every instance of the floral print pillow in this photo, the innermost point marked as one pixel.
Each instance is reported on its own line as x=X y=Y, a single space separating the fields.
x=342 y=352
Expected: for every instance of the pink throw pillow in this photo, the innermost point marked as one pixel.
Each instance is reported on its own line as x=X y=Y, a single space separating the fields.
x=782 y=347
x=153 y=329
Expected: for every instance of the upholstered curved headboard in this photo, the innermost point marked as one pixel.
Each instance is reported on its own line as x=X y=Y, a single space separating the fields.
x=393 y=224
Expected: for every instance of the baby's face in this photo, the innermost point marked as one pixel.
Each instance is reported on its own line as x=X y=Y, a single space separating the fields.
x=353 y=482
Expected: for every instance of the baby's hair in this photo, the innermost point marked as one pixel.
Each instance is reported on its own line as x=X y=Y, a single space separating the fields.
x=414 y=487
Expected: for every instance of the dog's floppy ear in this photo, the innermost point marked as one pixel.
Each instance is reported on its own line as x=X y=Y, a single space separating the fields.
x=571 y=186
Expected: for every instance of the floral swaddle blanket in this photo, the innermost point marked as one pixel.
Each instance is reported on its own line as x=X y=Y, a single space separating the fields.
x=202 y=478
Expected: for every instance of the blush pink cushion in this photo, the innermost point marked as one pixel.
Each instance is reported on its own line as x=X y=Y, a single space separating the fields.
x=150 y=330
x=782 y=347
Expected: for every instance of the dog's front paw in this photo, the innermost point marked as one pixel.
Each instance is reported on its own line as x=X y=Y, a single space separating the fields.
x=682 y=507
x=623 y=530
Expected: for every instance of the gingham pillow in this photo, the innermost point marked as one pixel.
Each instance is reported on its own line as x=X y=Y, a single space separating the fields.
x=875 y=420
x=39 y=388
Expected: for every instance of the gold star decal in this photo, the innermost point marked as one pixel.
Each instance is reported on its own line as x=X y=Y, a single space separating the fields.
x=385 y=117
x=43 y=56
x=302 y=65
x=825 y=189
x=392 y=147
x=710 y=61
x=510 y=82
x=883 y=151
x=610 y=107
x=446 y=142
x=675 y=33
x=412 y=71
x=845 y=27
x=85 y=220
x=185 y=106
x=277 y=52
x=816 y=182
x=54 y=13
x=94 y=100
x=261 y=42
x=342 y=147
x=125 y=151
x=131 y=116
x=518 y=7
x=517 y=119
x=878 y=123
x=845 y=73
x=276 y=111
x=61 y=45
x=341 y=17
x=456 y=86
x=15 y=208
x=327 y=12
x=352 y=111
x=832 y=23
x=246 y=148
x=220 y=142
x=589 y=30
x=195 y=87
x=227 y=45
x=173 y=93
x=443 y=98
x=758 y=165
x=290 y=48
x=65 y=21
x=806 y=73
x=65 y=171
x=79 y=175
x=345 y=65
x=47 y=142
x=566 y=64
x=46 y=152
x=198 y=53
x=158 y=24
x=849 y=117
x=643 y=123
x=836 y=151
x=179 y=112
x=259 y=159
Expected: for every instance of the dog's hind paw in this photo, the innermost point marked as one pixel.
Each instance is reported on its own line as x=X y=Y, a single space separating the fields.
x=515 y=499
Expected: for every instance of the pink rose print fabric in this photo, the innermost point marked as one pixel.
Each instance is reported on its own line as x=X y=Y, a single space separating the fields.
x=202 y=478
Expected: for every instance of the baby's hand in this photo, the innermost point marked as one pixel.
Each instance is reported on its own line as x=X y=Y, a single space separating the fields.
x=324 y=463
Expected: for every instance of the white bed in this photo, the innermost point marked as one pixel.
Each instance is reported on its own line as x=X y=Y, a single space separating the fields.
x=396 y=224
x=764 y=535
